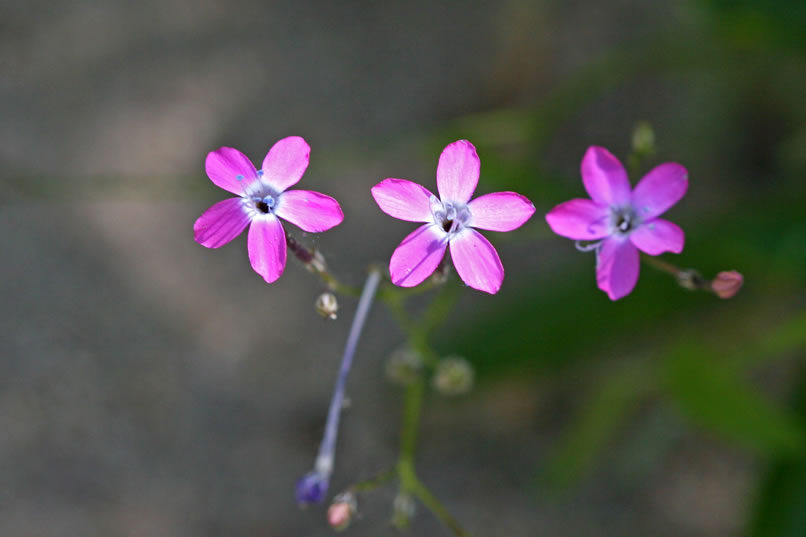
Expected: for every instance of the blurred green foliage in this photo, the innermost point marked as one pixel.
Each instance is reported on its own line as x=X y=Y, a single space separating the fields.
x=690 y=353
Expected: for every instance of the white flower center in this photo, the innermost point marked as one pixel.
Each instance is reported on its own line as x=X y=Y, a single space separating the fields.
x=451 y=217
x=623 y=220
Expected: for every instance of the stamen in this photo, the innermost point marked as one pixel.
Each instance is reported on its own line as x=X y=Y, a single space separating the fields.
x=587 y=247
x=450 y=211
x=265 y=205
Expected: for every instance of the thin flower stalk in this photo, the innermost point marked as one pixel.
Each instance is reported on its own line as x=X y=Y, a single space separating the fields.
x=313 y=487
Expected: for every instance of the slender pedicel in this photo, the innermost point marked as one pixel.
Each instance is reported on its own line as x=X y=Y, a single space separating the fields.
x=313 y=486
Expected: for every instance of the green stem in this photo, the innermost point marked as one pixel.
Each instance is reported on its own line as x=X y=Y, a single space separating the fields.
x=660 y=265
x=417 y=333
x=315 y=263
x=335 y=285
x=421 y=492
x=374 y=481
x=412 y=407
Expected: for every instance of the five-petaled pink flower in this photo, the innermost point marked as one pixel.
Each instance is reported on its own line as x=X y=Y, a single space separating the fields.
x=623 y=221
x=450 y=219
x=263 y=198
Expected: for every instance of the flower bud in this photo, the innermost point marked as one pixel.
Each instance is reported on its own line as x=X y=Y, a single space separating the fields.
x=453 y=376
x=403 y=366
x=341 y=511
x=727 y=283
x=312 y=487
x=643 y=138
x=327 y=306
x=402 y=510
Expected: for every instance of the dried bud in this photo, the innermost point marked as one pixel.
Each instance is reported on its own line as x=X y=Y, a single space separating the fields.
x=402 y=510
x=690 y=279
x=403 y=366
x=643 y=138
x=454 y=376
x=317 y=262
x=440 y=275
x=327 y=306
x=341 y=511
x=727 y=283
x=312 y=259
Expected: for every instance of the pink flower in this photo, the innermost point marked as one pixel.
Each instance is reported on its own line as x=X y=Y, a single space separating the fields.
x=450 y=219
x=264 y=199
x=623 y=221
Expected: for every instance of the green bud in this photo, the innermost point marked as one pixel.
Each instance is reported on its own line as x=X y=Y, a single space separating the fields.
x=453 y=376
x=403 y=366
x=643 y=139
x=403 y=509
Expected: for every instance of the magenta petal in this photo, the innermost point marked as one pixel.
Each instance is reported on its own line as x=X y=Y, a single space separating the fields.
x=230 y=169
x=604 y=177
x=500 y=211
x=404 y=200
x=658 y=236
x=286 y=162
x=418 y=255
x=659 y=189
x=267 y=248
x=617 y=265
x=309 y=210
x=458 y=172
x=221 y=223
x=579 y=219
x=476 y=261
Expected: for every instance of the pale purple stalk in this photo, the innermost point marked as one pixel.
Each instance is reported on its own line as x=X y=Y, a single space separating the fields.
x=313 y=486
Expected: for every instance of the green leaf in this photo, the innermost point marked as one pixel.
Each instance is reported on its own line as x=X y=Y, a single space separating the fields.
x=714 y=397
x=780 y=509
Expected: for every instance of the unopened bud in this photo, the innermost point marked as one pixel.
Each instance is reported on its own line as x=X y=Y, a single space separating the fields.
x=403 y=366
x=727 y=283
x=341 y=511
x=402 y=510
x=454 y=376
x=327 y=306
x=643 y=138
x=690 y=279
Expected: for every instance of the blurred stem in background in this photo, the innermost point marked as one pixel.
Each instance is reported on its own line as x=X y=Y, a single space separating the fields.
x=417 y=334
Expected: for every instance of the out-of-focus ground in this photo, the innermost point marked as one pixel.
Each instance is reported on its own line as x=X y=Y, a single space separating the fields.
x=149 y=386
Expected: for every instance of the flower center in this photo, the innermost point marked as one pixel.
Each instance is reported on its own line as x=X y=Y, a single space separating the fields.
x=264 y=204
x=449 y=216
x=624 y=220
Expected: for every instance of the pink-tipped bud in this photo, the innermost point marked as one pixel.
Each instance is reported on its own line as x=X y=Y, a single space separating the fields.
x=727 y=283
x=341 y=511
